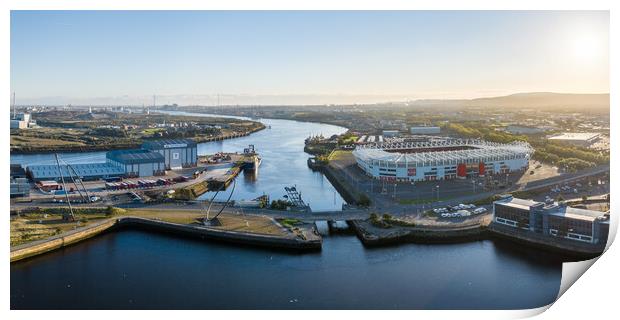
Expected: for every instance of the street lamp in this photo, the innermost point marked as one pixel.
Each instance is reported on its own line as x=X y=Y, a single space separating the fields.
x=438 y=192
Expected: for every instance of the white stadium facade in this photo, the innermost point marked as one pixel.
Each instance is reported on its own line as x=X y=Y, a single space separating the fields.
x=441 y=160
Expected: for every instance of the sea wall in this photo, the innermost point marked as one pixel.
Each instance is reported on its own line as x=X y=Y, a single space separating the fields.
x=63 y=240
x=223 y=235
x=337 y=180
x=42 y=246
x=371 y=236
x=375 y=236
x=540 y=241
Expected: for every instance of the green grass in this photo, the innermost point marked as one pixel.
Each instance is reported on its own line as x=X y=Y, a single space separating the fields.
x=152 y=130
x=289 y=223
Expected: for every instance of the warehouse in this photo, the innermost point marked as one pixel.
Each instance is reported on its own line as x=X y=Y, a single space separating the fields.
x=441 y=160
x=582 y=139
x=85 y=171
x=179 y=153
x=425 y=130
x=137 y=163
x=552 y=219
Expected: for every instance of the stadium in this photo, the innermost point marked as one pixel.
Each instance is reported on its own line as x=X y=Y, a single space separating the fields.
x=441 y=160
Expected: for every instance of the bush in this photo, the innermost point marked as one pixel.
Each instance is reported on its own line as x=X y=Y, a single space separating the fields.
x=363 y=201
x=111 y=211
x=280 y=204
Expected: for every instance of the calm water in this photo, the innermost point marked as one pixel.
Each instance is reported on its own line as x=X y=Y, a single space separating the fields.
x=138 y=269
x=284 y=163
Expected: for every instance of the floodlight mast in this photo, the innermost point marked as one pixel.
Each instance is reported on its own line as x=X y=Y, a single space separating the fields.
x=71 y=216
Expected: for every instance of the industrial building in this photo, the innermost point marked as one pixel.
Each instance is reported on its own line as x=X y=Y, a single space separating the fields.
x=19 y=188
x=22 y=121
x=515 y=129
x=390 y=133
x=441 y=160
x=582 y=139
x=137 y=163
x=552 y=219
x=152 y=160
x=180 y=153
x=85 y=171
x=425 y=130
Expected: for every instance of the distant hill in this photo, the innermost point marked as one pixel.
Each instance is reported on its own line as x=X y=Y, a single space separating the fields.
x=540 y=100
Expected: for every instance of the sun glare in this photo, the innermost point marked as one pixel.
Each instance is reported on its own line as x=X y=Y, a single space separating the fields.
x=587 y=47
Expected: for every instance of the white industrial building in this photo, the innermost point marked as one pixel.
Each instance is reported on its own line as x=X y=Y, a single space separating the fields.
x=22 y=121
x=425 y=130
x=390 y=133
x=439 y=160
x=583 y=139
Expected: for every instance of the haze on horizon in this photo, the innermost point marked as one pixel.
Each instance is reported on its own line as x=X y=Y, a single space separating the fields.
x=303 y=57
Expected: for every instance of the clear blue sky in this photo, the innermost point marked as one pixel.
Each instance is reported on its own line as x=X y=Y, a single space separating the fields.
x=254 y=57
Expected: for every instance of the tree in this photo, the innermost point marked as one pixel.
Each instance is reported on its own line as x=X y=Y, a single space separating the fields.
x=363 y=201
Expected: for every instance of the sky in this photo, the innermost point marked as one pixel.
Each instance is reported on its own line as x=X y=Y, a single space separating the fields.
x=302 y=57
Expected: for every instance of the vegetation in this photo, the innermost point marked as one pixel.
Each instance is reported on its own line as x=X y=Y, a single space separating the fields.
x=387 y=221
x=375 y=221
x=347 y=138
x=568 y=157
x=574 y=164
x=363 y=200
x=280 y=204
x=80 y=130
x=487 y=200
x=289 y=223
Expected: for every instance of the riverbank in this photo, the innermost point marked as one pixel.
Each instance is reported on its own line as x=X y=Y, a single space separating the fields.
x=375 y=236
x=371 y=235
x=246 y=230
x=576 y=249
x=47 y=149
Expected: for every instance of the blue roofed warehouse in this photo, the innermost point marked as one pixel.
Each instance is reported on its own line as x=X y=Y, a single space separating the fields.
x=137 y=163
x=177 y=153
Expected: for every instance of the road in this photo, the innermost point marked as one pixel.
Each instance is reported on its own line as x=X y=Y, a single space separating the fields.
x=390 y=207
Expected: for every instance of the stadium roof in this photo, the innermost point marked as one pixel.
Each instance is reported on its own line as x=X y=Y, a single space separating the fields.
x=135 y=156
x=168 y=144
x=480 y=151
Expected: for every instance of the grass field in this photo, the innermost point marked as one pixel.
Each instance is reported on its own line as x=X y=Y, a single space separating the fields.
x=229 y=222
x=339 y=155
x=36 y=226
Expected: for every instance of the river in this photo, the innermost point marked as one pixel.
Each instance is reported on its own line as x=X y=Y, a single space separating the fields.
x=139 y=269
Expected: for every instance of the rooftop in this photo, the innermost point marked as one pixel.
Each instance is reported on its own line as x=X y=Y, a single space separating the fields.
x=168 y=144
x=48 y=171
x=518 y=203
x=574 y=213
x=554 y=209
x=474 y=150
x=135 y=156
x=576 y=136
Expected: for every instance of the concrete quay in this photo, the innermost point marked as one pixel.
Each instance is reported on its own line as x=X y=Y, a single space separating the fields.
x=567 y=247
x=310 y=241
x=376 y=236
